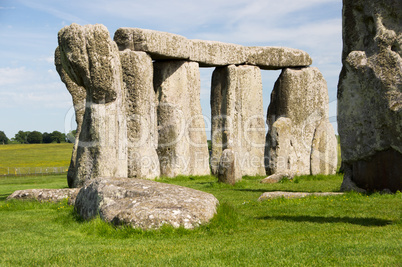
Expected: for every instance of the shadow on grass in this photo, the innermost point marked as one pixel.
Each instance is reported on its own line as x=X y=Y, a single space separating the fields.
x=3 y=196
x=321 y=219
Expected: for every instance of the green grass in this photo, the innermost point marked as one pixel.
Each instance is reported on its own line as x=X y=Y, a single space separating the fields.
x=347 y=230
x=34 y=156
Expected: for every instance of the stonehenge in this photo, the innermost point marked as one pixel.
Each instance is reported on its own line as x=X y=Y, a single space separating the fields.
x=370 y=95
x=138 y=111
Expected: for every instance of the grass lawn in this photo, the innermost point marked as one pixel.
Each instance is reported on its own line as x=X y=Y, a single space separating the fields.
x=347 y=230
x=34 y=156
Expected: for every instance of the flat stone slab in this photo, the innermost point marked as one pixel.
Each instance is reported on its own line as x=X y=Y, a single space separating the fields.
x=51 y=195
x=163 y=45
x=274 y=178
x=144 y=204
x=279 y=194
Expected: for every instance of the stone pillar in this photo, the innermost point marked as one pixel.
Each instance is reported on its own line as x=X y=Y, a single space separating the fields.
x=183 y=148
x=142 y=135
x=237 y=117
x=370 y=95
x=300 y=139
x=91 y=59
x=78 y=94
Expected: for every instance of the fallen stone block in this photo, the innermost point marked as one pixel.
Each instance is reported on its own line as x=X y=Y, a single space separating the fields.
x=279 y=194
x=52 y=195
x=274 y=178
x=144 y=204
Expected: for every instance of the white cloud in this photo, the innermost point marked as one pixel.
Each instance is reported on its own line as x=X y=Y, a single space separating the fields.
x=57 y=11
x=22 y=87
x=13 y=75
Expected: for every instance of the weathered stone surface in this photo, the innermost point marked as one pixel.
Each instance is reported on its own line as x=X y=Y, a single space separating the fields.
x=91 y=59
x=273 y=58
x=163 y=45
x=299 y=105
x=144 y=204
x=280 y=155
x=142 y=133
x=78 y=94
x=229 y=171
x=52 y=195
x=212 y=53
x=182 y=145
x=274 y=178
x=323 y=149
x=237 y=117
x=370 y=94
x=279 y=194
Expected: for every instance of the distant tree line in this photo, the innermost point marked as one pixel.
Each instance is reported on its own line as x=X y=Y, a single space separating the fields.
x=35 y=137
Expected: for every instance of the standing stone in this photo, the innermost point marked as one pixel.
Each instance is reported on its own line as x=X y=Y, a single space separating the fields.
x=142 y=135
x=78 y=94
x=229 y=171
x=182 y=145
x=297 y=115
x=237 y=117
x=370 y=95
x=323 y=149
x=91 y=59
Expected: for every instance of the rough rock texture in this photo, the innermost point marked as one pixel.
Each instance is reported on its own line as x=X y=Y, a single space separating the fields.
x=370 y=95
x=144 y=204
x=229 y=171
x=273 y=58
x=163 y=45
x=53 y=195
x=237 y=117
x=142 y=133
x=182 y=145
x=212 y=53
x=91 y=60
x=274 y=178
x=278 y=194
x=78 y=94
x=300 y=139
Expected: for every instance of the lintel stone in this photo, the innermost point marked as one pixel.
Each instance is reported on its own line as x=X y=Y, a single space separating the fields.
x=163 y=45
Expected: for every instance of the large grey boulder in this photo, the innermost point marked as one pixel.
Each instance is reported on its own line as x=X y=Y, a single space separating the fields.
x=91 y=60
x=78 y=94
x=163 y=45
x=142 y=133
x=300 y=139
x=182 y=147
x=144 y=204
x=370 y=95
x=237 y=117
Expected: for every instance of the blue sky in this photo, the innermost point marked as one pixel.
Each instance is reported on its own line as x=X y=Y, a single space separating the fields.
x=32 y=97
